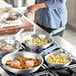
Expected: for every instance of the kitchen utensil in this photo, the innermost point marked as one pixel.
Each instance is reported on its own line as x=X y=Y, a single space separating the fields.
x=50 y=38
x=5 y=16
x=14 y=43
x=21 y=54
x=8 y=8
x=22 y=11
x=29 y=37
x=17 y=3
x=58 y=65
x=18 y=34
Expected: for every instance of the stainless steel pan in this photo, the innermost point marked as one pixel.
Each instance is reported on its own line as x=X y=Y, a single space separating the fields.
x=21 y=54
x=29 y=37
x=50 y=38
x=58 y=65
x=14 y=43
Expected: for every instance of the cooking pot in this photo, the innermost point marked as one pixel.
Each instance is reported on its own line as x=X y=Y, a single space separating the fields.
x=16 y=3
x=21 y=54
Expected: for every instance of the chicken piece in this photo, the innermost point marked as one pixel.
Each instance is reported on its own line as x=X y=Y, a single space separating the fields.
x=15 y=64
x=29 y=63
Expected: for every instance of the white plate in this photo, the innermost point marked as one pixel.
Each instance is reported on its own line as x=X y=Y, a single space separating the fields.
x=4 y=16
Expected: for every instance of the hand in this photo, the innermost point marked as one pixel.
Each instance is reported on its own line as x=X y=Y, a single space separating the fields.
x=33 y=8
x=36 y=7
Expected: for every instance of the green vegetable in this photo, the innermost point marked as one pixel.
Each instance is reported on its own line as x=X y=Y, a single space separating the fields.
x=37 y=64
x=23 y=66
x=30 y=58
x=17 y=59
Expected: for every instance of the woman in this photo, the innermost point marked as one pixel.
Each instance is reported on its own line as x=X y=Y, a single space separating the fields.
x=50 y=14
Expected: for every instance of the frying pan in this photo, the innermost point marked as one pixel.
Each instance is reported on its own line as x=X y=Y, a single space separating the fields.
x=21 y=54
x=24 y=54
x=13 y=42
x=58 y=65
x=29 y=37
x=50 y=38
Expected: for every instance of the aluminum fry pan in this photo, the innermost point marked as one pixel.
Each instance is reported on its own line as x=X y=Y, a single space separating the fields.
x=14 y=43
x=22 y=54
x=29 y=37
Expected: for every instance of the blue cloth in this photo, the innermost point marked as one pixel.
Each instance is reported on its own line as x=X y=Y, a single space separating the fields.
x=54 y=15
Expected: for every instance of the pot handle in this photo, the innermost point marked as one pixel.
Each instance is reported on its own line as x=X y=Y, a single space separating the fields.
x=50 y=49
x=1 y=56
x=57 y=30
x=27 y=10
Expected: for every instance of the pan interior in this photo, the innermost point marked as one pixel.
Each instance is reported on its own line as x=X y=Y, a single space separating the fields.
x=20 y=54
x=29 y=37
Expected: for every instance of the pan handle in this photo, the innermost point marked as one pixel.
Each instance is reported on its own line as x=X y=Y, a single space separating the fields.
x=27 y=10
x=46 y=51
x=1 y=56
x=57 y=30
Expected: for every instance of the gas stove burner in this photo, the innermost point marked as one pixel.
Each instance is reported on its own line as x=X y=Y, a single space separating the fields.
x=45 y=73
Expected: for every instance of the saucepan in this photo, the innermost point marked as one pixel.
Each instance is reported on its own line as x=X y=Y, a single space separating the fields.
x=21 y=54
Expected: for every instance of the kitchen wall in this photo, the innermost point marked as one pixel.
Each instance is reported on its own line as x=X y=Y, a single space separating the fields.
x=71 y=6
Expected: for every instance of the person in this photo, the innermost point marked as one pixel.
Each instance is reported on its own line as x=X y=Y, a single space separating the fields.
x=50 y=14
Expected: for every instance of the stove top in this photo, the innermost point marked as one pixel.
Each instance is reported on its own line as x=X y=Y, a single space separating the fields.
x=45 y=70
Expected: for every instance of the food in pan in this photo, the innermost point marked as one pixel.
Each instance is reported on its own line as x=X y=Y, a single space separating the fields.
x=11 y=18
x=7 y=47
x=58 y=59
x=37 y=41
x=22 y=63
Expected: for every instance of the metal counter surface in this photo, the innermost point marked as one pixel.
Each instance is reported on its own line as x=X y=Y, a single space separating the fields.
x=65 y=45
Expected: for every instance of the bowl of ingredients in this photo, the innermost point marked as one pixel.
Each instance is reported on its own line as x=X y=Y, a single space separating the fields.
x=22 y=62
x=58 y=60
x=11 y=17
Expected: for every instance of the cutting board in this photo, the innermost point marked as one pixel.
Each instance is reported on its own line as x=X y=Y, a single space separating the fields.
x=28 y=26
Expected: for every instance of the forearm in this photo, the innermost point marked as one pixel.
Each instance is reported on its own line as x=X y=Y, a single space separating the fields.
x=35 y=16
x=41 y=5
